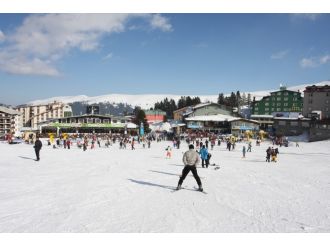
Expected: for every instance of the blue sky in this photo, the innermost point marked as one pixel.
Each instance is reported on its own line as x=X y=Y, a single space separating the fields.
x=49 y=55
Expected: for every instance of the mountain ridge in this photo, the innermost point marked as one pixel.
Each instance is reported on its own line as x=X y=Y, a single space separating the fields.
x=147 y=101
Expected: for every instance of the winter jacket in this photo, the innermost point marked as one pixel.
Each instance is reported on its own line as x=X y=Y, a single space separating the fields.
x=203 y=152
x=191 y=158
x=38 y=145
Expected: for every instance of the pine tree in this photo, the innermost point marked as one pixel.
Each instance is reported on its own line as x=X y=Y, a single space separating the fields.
x=249 y=99
x=140 y=117
x=221 y=99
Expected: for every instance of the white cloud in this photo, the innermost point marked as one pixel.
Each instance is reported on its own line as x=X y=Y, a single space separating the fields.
x=307 y=63
x=43 y=39
x=2 y=36
x=306 y=16
x=279 y=55
x=324 y=59
x=314 y=61
x=161 y=22
x=108 y=56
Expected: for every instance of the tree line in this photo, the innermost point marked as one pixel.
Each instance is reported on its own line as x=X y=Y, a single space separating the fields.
x=169 y=105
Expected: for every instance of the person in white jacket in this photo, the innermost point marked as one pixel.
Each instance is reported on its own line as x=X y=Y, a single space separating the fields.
x=191 y=160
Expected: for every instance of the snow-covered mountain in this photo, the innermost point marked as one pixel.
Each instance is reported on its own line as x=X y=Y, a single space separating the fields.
x=148 y=100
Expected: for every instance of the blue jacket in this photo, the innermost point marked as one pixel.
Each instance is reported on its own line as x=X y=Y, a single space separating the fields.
x=203 y=152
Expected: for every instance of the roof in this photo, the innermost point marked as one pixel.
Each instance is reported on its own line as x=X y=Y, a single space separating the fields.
x=215 y=118
x=9 y=111
x=262 y=116
x=292 y=119
x=325 y=88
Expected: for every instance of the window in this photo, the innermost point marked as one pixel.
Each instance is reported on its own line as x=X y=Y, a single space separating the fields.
x=279 y=98
x=97 y=120
x=106 y=121
x=285 y=104
x=114 y=121
x=286 y=98
x=278 y=109
x=294 y=123
x=80 y=120
x=266 y=109
x=89 y=120
x=282 y=123
x=266 y=104
x=279 y=104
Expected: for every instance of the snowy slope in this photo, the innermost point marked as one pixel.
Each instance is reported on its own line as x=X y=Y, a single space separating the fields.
x=112 y=190
x=148 y=100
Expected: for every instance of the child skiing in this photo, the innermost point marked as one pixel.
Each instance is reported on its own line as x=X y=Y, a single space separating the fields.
x=168 y=152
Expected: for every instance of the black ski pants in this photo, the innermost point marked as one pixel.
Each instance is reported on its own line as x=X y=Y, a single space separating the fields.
x=185 y=172
x=206 y=163
x=37 y=153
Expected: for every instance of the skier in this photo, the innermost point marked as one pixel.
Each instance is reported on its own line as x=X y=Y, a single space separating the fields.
x=244 y=151
x=149 y=143
x=274 y=155
x=68 y=143
x=249 y=147
x=219 y=142
x=212 y=143
x=207 y=144
x=297 y=144
x=133 y=144
x=168 y=152
x=268 y=152
x=98 y=142
x=204 y=153
x=190 y=160
x=37 y=147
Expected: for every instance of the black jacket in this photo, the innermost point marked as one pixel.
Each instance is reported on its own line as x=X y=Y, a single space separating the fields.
x=38 y=144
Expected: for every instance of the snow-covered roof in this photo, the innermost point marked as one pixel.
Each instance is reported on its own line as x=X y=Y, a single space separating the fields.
x=131 y=126
x=214 y=118
x=262 y=116
x=290 y=118
x=9 y=111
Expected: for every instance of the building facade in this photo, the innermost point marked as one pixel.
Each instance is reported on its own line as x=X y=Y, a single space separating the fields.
x=155 y=116
x=32 y=115
x=317 y=99
x=202 y=109
x=222 y=124
x=279 y=101
x=7 y=120
x=88 y=123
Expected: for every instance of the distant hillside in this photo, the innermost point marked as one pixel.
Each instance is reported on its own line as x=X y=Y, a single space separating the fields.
x=147 y=101
x=79 y=108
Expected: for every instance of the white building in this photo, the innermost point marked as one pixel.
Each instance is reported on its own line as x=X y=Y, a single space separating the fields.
x=7 y=120
x=32 y=115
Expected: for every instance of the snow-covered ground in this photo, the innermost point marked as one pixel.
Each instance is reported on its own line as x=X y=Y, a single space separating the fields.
x=112 y=190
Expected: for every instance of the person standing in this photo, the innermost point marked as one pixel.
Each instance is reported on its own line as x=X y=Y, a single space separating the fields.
x=244 y=151
x=68 y=143
x=37 y=147
x=204 y=156
x=190 y=160
x=268 y=154
x=249 y=147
